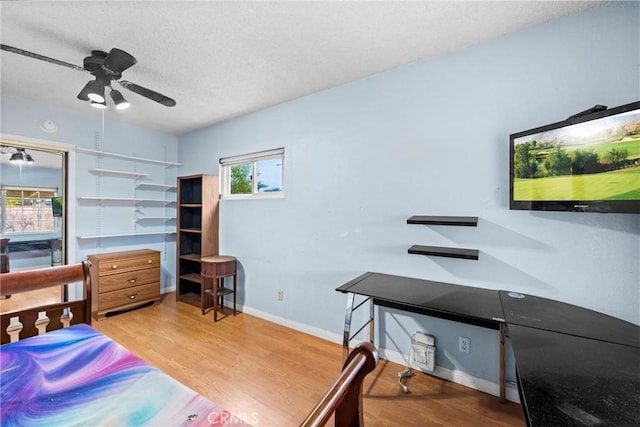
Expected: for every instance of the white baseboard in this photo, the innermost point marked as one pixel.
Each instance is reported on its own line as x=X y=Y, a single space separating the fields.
x=454 y=376
x=458 y=377
x=302 y=327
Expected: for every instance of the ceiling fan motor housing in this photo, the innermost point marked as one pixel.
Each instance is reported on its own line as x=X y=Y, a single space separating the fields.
x=93 y=63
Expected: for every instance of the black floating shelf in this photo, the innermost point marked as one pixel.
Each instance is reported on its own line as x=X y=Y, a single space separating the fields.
x=444 y=252
x=468 y=221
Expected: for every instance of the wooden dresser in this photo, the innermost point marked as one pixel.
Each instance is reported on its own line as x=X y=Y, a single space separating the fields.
x=124 y=280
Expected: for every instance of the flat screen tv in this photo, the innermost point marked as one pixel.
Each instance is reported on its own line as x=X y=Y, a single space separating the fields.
x=587 y=163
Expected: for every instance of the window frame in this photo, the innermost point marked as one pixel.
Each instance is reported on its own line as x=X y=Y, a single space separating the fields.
x=226 y=163
x=43 y=205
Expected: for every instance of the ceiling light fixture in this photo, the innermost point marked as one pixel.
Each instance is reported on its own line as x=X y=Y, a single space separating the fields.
x=119 y=100
x=99 y=105
x=48 y=126
x=94 y=90
x=21 y=156
x=84 y=93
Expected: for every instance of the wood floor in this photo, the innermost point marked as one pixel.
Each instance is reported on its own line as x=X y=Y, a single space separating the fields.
x=30 y=299
x=270 y=375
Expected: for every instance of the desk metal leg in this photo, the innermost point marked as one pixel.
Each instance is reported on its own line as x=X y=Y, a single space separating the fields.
x=371 y=320
x=347 y=320
x=503 y=397
x=346 y=335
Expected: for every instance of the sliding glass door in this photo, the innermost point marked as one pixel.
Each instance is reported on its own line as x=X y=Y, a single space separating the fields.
x=33 y=188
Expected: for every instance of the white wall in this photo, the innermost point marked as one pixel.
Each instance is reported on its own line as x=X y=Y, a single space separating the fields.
x=432 y=139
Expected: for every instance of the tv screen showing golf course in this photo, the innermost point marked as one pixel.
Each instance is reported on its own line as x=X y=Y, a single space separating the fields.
x=579 y=165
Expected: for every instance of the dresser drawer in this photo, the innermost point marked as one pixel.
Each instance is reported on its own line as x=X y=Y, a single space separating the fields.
x=119 y=265
x=128 y=279
x=127 y=297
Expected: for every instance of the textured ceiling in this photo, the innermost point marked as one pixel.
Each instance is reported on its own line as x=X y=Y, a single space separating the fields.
x=220 y=60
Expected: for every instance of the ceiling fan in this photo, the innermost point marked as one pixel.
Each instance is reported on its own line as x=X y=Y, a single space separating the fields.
x=105 y=67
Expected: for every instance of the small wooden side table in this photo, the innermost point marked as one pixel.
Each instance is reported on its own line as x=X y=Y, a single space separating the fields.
x=215 y=269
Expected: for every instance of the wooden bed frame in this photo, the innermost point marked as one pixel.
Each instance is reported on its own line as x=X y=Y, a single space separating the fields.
x=34 y=321
x=343 y=399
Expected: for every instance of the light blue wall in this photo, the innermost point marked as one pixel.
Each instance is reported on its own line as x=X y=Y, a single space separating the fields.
x=31 y=176
x=21 y=118
x=432 y=139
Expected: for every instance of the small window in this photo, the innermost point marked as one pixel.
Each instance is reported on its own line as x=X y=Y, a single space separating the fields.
x=253 y=175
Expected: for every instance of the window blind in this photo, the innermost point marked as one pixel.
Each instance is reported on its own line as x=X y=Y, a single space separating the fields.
x=252 y=157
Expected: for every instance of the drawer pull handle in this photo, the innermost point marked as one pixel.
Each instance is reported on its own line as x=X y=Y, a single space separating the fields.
x=149 y=261
x=132 y=280
x=132 y=296
x=113 y=267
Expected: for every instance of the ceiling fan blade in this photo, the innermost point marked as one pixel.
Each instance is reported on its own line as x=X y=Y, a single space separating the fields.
x=40 y=57
x=148 y=93
x=117 y=61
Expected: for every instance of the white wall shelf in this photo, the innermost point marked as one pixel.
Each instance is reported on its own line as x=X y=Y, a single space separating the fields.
x=141 y=204
x=165 y=218
x=152 y=185
x=103 y=236
x=98 y=171
x=123 y=156
x=127 y=199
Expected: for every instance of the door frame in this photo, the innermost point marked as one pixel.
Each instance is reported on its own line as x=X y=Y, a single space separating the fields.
x=68 y=230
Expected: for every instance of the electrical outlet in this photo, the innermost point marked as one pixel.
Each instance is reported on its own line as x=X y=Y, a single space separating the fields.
x=464 y=344
x=280 y=295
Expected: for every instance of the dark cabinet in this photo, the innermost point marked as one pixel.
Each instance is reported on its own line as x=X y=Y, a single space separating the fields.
x=197 y=232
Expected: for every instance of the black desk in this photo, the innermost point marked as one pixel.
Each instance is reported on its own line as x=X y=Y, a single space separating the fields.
x=556 y=316
x=465 y=304
x=565 y=380
x=480 y=307
x=574 y=366
x=32 y=245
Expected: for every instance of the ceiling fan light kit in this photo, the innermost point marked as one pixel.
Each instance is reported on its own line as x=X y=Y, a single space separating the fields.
x=118 y=100
x=95 y=91
x=105 y=67
x=84 y=93
x=99 y=105
x=21 y=156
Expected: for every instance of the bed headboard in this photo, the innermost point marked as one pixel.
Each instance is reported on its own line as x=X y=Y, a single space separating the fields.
x=38 y=320
x=344 y=398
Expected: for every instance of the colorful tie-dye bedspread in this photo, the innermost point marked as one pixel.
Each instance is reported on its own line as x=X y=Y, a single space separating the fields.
x=77 y=376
